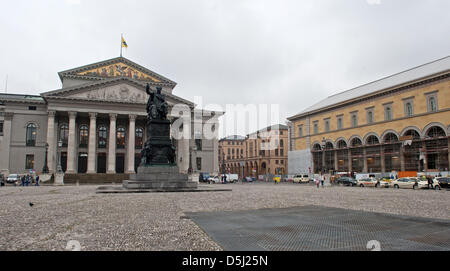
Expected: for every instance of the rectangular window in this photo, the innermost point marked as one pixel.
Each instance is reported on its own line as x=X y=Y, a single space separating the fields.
x=432 y=101
x=409 y=107
x=199 y=145
x=29 y=161
x=199 y=163
x=1 y=128
x=276 y=162
x=369 y=116
x=33 y=108
x=300 y=130
x=388 y=112
x=276 y=152
x=340 y=124
x=281 y=152
x=316 y=127
x=354 y=119
x=327 y=125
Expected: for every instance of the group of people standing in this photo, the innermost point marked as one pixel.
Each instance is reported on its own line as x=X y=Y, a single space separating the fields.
x=27 y=180
x=320 y=180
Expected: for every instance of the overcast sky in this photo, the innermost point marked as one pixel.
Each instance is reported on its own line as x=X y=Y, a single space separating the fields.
x=291 y=53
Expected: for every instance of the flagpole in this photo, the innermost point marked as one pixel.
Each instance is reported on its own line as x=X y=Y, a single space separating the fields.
x=121 y=37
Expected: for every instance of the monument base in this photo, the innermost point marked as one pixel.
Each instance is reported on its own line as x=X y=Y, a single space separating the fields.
x=159 y=178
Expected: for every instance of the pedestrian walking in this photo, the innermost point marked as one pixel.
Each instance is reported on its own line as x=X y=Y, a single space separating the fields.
x=430 y=182
x=37 y=181
x=322 y=180
x=22 y=180
x=317 y=181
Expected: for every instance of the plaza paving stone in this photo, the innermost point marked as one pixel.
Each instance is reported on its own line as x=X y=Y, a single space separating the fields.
x=159 y=221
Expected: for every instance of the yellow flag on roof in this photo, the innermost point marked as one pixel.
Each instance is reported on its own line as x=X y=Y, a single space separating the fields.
x=124 y=43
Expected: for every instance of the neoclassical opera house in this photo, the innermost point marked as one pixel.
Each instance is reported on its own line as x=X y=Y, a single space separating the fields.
x=95 y=124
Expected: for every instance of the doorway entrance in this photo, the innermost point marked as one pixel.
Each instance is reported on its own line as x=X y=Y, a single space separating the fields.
x=101 y=163
x=82 y=162
x=120 y=163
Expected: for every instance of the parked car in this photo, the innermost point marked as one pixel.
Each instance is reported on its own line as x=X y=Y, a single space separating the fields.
x=13 y=178
x=410 y=182
x=203 y=178
x=384 y=183
x=369 y=182
x=347 y=181
x=423 y=184
x=214 y=179
x=444 y=182
x=301 y=178
x=232 y=178
x=249 y=179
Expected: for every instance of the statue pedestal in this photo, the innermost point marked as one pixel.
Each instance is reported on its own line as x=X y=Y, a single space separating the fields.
x=59 y=179
x=159 y=177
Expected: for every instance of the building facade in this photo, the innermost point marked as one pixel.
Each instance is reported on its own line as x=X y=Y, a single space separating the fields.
x=261 y=153
x=96 y=123
x=398 y=123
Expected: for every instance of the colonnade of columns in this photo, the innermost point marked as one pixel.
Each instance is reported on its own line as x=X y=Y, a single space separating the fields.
x=92 y=145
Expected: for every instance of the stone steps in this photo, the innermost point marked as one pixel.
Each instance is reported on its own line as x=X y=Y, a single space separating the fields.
x=95 y=178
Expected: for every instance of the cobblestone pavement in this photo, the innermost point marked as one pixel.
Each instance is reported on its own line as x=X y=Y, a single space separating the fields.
x=156 y=221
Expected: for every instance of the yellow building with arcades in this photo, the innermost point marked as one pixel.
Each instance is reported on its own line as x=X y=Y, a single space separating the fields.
x=398 y=123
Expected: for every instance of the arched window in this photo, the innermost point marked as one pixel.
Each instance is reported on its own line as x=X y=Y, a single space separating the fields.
x=84 y=136
x=120 y=138
x=372 y=140
x=356 y=142
x=433 y=106
x=390 y=138
x=102 y=137
x=317 y=147
x=139 y=138
x=341 y=144
x=436 y=132
x=415 y=135
x=31 y=134
x=64 y=134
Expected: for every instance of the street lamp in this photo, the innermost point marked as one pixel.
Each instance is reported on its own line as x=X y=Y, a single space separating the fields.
x=45 y=169
x=324 y=144
x=59 y=168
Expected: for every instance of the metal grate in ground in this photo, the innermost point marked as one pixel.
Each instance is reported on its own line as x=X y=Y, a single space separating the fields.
x=320 y=228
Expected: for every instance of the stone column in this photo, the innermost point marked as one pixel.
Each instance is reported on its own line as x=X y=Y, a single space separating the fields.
x=350 y=161
x=425 y=162
x=216 y=155
x=336 y=162
x=382 y=160
x=5 y=144
x=448 y=151
x=131 y=144
x=402 y=158
x=71 y=148
x=365 y=169
x=51 y=156
x=112 y=144
x=92 y=143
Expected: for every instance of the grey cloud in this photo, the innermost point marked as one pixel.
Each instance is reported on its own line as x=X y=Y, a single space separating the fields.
x=294 y=53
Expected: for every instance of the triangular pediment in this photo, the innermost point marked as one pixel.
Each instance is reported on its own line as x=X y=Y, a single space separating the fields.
x=122 y=92
x=119 y=70
x=116 y=68
x=115 y=90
